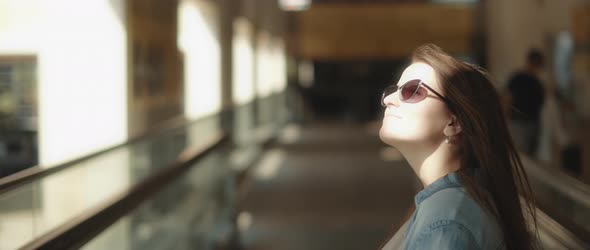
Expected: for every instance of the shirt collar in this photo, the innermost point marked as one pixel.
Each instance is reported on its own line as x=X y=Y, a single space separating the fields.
x=450 y=180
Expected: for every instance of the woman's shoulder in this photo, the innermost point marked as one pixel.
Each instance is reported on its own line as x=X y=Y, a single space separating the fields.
x=453 y=208
x=449 y=201
x=444 y=234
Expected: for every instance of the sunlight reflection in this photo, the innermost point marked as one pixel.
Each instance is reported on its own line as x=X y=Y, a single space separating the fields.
x=270 y=164
x=199 y=42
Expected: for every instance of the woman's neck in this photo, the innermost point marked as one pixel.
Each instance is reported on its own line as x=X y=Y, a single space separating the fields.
x=432 y=163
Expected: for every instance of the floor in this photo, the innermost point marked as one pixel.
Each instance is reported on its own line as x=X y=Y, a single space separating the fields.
x=330 y=187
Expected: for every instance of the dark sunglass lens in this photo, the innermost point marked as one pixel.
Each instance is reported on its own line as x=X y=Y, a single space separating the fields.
x=409 y=89
x=420 y=95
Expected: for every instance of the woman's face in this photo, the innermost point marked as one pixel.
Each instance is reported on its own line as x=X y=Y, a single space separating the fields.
x=415 y=123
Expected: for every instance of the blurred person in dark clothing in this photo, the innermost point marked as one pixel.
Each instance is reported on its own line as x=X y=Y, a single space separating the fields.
x=525 y=99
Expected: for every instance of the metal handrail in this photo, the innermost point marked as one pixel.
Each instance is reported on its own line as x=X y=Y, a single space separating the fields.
x=564 y=237
x=567 y=186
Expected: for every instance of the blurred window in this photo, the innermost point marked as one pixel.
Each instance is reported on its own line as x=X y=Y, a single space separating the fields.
x=18 y=113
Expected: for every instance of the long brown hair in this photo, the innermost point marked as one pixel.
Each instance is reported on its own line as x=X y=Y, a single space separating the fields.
x=491 y=170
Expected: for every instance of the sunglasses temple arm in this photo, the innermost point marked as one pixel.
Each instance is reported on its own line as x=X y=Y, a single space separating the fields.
x=436 y=93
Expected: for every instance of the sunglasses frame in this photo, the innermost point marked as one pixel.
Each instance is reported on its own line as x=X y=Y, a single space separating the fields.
x=420 y=83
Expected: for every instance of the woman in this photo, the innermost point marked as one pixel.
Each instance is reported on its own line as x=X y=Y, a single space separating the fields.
x=445 y=117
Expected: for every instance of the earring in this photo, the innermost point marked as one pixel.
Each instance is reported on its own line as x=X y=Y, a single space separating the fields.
x=447 y=139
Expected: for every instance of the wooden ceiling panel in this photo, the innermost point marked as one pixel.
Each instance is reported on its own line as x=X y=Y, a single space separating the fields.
x=367 y=1
x=381 y=30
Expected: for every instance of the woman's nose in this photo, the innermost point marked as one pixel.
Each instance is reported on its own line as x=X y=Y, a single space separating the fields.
x=390 y=99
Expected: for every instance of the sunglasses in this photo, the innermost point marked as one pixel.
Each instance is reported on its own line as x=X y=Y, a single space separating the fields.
x=410 y=92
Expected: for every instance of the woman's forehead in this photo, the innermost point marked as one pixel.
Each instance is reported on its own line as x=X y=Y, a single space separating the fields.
x=419 y=70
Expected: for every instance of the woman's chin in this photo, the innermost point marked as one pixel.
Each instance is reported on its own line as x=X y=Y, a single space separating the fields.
x=394 y=139
x=387 y=137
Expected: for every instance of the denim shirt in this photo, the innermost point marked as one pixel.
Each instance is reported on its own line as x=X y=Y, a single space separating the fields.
x=446 y=217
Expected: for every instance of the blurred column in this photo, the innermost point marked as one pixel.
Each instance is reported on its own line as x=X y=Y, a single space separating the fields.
x=264 y=76
x=264 y=64
x=226 y=18
x=279 y=59
x=155 y=64
x=270 y=75
x=243 y=61
x=243 y=91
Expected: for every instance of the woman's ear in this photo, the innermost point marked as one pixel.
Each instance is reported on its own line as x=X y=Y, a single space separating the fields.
x=453 y=127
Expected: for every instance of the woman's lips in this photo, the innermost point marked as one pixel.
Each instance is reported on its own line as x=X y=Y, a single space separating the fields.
x=392 y=113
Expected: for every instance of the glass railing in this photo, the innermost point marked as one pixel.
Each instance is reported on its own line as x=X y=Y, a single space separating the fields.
x=196 y=211
x=34 y=208
x=192 y=208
